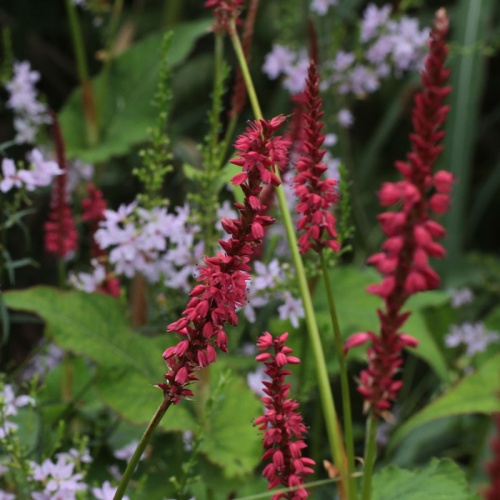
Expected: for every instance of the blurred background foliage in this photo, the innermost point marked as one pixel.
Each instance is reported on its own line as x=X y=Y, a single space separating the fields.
x=122 y=41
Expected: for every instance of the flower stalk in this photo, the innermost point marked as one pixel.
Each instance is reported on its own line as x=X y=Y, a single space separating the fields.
x=327 y=403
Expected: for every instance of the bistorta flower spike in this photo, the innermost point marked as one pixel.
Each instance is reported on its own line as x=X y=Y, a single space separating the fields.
x=493 y=467
x=317 y=196
x=61 y=237
x=93 y=208
x=411 y=234
x=283 y=424
x=223 y=279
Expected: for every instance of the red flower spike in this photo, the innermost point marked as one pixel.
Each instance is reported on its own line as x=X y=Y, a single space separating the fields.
x=316 y=196
x=93 y=207
x=403 y=261
x=222 y=280
x=61 y=237
x=493 y=467
x=283 y=426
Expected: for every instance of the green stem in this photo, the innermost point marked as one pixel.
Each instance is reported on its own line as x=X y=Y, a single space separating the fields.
x=370 y=453
x=327 y=403
x=344 y=380
x=219 y=52
x=127 y=475
x=83 y=74
x=252 y=95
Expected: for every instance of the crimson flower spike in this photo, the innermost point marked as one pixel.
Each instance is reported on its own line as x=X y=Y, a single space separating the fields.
x=223 y=279
x=61 y=237
x=283 y=424
x=93 y=207
x=410 y=232
x=225 y=11
x=493 y=467
x=316 y=195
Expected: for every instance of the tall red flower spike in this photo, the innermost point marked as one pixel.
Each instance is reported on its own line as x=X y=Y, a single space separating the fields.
x=223 y=279
x=316 y=195
x=283 y=424
x=411 y=234
x=225 y=11
x=493 y=468
x=93 y=208
x=61 y=237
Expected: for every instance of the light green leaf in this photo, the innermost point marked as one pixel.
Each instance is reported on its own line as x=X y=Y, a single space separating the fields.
x=477 y=393
x=127 y=112
x=441 y=479
x=231 y=441
x=357 y=312
x=95 y=326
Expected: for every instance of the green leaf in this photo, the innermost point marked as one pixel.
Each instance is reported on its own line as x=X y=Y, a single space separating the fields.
x=467 y=81
x=357 y=312
x=127 y=112
x=441 y=479
x=477 y=393
x=95 y=326
x=231 y=441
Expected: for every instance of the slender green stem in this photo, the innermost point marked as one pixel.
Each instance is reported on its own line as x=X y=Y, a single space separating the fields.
x=89 y=108
x=327 y=403
x=370 y=453
x=344 y=380
x=252 y=95
x=127 y=475
x=219 y=53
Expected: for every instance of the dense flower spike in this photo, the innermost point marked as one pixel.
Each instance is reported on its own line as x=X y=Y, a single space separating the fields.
x=225 y=11
x=60 y=231
x=316 y=196
x=223 y=279
x=411 y=234
x=283 y=425
x=493 y=467
x=93 y=208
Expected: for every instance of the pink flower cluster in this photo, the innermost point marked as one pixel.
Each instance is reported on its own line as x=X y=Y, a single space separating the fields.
x=316 y=195
x=223 y=279
x=411 y=234
x=283 y=425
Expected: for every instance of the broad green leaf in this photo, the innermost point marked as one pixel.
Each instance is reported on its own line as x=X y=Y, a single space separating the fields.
x=230 y=440
x=441 y=479
x=127 y=111
x=95 y=326
x=357 y=309
x=468 y=64
x=476 y=393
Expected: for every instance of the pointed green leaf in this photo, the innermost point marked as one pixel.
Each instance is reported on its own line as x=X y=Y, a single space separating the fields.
x=95 y=326
x=357 y=312
x=477 y=393
x=441 y=479
x=127 y=112
x=231 y=441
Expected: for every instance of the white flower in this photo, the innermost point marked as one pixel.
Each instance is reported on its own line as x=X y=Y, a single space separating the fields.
x=278 y=61
x=292 y=309
x=106 y=492
x=255 y=380
x=127 y=451
x=461 y=297
x=321 y=6
x=345 y=118
x=473 y=335
x=29 y=112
